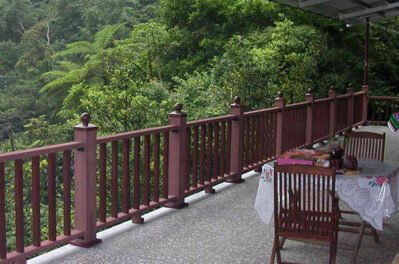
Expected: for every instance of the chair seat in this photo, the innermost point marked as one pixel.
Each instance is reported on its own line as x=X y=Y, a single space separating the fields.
x=306 y=224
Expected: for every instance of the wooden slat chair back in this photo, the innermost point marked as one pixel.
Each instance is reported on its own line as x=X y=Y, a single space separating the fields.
x=305 y=206
x=364 y=144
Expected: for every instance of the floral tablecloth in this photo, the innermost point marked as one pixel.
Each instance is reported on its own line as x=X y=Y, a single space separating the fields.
x=373 y=193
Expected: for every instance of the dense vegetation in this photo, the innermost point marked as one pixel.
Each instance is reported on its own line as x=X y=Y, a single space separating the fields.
x=128 y=61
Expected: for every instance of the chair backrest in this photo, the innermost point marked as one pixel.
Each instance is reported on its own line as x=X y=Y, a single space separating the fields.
x=364 y=144
x=305 y=205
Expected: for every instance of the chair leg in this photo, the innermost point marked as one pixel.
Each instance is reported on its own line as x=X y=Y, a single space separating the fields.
x=275 y=250
x=375 y=234
x=282 y=242
x=273 y=255
x=359 y=241
x=332 y=252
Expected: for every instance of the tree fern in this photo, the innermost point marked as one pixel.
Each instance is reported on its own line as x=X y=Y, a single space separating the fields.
x=79 y=47
x=103 y=38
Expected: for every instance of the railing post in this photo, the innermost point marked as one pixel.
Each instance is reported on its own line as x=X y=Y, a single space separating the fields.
x=365 y=88
x=237 y=141
x=280 y=103
x=178 y=161
x=332 y=95
x=351 y=105
x=309 y=117
x=85 y=183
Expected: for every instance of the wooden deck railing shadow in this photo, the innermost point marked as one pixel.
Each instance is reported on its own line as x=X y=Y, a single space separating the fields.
x=95 y=182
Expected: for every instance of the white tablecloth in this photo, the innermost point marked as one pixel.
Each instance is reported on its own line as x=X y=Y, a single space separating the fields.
x=373 y=194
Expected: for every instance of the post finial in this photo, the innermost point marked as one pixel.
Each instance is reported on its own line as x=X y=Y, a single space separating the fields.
x=309 y=91
x=85 y=118
x=332 y=88
x=280 y=95
x=178 y=107
x=350 y=85
x=237 y=100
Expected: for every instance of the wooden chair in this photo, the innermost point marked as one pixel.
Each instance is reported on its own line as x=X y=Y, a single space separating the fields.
x=305 y=207
x=366 y=145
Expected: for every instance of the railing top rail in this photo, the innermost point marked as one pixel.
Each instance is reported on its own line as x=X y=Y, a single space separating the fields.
x=324 y=100
x=297 y=105
x=392 y=98
x=210 y=120
x=262 y=111
x=360 y=93
x=135 y=133
x=28 y=153
x=343 y=96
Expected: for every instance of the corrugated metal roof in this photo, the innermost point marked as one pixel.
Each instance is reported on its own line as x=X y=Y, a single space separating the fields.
x=349 y=11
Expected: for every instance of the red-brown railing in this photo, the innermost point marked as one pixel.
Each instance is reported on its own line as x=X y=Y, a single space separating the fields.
x=208 y=152
x=380 y=108
x=132 y=174
x=321 y=121
x=259 y=138
x=358 y=107
x=342 y=110
x=115 y=178
x=23 y=173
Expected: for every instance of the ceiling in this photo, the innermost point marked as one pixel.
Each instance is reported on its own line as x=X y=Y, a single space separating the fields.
x=349 y=11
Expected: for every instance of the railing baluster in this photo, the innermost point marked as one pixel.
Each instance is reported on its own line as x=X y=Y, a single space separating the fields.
x=215 y=151
x=228 y=148
x=165 y=164
x=146 y=191
x=155 y=194
x=136 y=180
x=247 y=149
x=187 y=154
x=36 y=237
x=258 y=147
x=103 y=183
x=19 y=206
x=222 y=148
x=194 y=179
x=202 y=155
x=126 y=176
x=3 y=240
x=209 y=153
x=66 y=167
x=52 y=217
x=114 y=180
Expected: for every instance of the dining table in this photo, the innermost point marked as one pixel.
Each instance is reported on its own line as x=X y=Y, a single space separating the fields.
x=372 y=192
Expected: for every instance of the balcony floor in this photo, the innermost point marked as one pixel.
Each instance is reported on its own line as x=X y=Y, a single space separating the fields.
x=220 y=228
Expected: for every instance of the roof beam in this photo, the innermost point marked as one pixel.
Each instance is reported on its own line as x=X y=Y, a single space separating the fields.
x=368 y=11
x=307 y=3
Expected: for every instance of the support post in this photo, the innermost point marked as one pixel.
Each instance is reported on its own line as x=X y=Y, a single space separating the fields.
x=280 y=103
x=85 y=183
x=309 y=117
x=237 y=141
x=178 y=161
x=365 y=102
x=366 y=54
x=351 y=105
x=332 y=95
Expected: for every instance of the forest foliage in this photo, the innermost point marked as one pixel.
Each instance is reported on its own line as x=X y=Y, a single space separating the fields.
x=127 y=62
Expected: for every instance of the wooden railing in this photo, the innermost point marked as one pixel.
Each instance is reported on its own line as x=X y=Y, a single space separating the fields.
x=380 y=108
x=120 y=177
